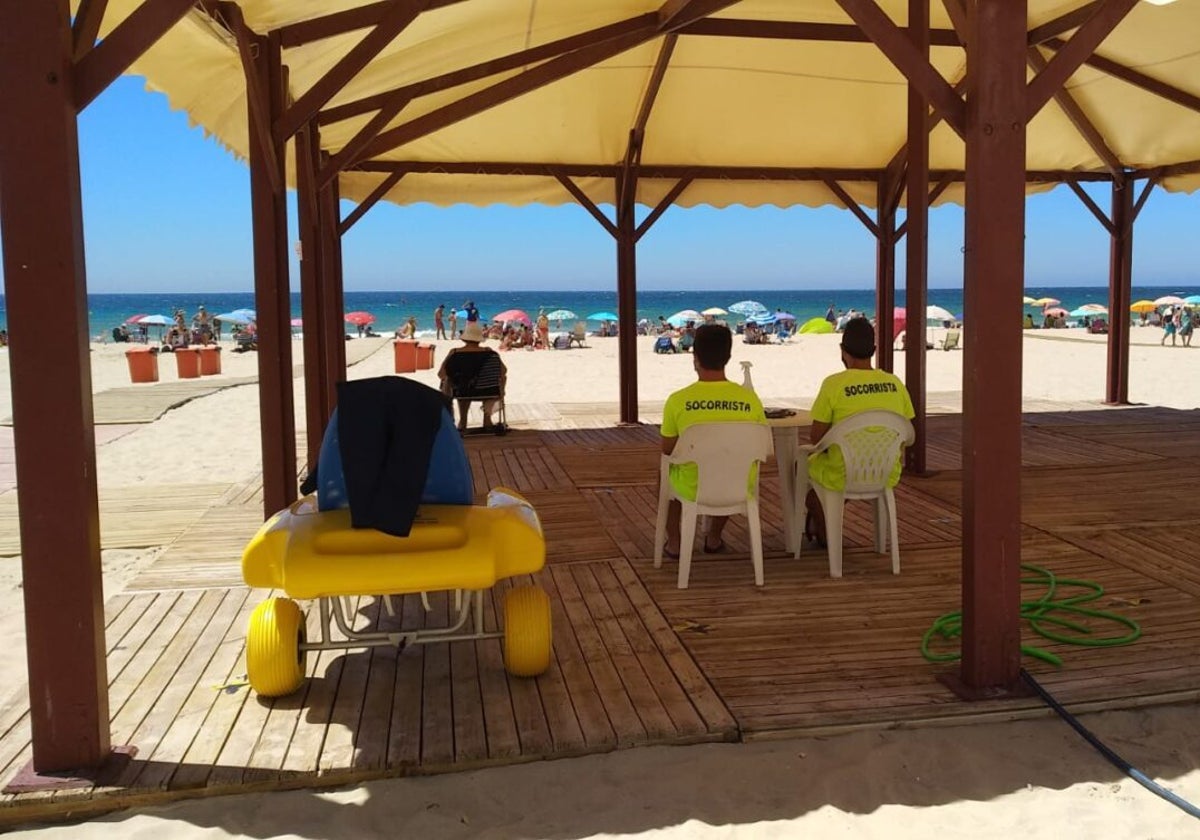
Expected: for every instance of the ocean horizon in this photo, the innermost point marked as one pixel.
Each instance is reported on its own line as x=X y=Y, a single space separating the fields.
x=392 y=308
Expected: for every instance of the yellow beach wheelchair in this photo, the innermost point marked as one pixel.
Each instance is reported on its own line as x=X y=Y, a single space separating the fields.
x=311 y=550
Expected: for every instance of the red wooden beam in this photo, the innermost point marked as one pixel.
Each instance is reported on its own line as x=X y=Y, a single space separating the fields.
x=850 y=204
x=367 y=203
x=308 y=212
x=1064 y=23
x=395 y=21
x=351 y=152
x=1069 y=59
x=655 y=83
x=586 y=202
x=885 y=278
x=626 y=237
x=1120 y=292
x=957 y=13
x=1091 y=205
x=340 y=23
x=787 y=30
x=675 y=13
x=41 y=221
x=87 y=26
x=661 y=207
x=260 y=110
x=895 y=45
x=1078 y=118
x=1137 y=79
x=101 y=65
x=272 y=297
x=482 y=70
x=993 y=288
x=917 y=224
x=332 y=294
x=1151 y=183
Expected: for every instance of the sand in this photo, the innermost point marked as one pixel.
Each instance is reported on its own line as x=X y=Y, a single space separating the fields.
x=1033 y=779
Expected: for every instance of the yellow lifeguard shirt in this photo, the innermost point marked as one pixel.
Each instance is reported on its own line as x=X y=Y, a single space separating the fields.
x=843 y=395
x=707 y=402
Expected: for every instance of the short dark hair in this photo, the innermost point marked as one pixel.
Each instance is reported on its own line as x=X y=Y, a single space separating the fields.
x=713 y=346
x=858 y=338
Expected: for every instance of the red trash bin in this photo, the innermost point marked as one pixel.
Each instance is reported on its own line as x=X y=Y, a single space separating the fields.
x=425 y=356
x=143 y=364
x=210 y=359
x=406 y=355
x=187 y=363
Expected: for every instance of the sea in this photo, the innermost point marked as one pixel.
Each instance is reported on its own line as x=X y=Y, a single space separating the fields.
x=392 y=308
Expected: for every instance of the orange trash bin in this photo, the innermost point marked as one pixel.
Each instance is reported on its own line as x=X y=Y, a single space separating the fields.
x=143 y=364
x=187 y=362
x=425 y=356
x=210 y=359
x=406 y=355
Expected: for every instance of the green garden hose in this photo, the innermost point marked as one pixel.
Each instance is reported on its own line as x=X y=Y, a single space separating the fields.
x=1046 y=617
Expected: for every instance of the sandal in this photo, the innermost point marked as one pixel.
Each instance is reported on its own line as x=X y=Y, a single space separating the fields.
x=719 y=548
x=811 y=533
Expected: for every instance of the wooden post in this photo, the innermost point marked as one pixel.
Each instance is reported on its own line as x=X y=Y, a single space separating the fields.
x=885 y=277
x=332 y=285
x=627 y=298
x=271 y=293
x=994 y=285
x=1120 y=289
x=308 y=211
x=42 y=222
x=917 y=245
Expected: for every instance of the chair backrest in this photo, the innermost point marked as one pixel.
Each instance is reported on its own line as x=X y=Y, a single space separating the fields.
x=580 y=330
x=723 y=454
x=951 y=340
x=474 y=374
x=870 y=444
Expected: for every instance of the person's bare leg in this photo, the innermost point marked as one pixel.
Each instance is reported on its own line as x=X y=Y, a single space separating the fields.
x=674 y=512
x=712 y=540
x=488 y=407
x=463 y=407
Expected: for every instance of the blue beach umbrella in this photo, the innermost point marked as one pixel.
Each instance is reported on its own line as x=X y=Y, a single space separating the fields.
x=236 y=317
x=1192 y=300
x=761 y=318
x=784 y=316
x=747 y=307
x=602 y=316
x=156 y=321
x=561 y=315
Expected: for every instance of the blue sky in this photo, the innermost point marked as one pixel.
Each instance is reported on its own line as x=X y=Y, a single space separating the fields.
x=167 y=208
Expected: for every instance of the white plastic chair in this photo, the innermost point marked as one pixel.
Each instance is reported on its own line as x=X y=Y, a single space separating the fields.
x=723 y=454
x=870 y=443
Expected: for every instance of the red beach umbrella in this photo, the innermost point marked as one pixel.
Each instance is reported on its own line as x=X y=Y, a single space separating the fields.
x=899 y=320
x=133 y=319
x=360 y=319
x=513 y=315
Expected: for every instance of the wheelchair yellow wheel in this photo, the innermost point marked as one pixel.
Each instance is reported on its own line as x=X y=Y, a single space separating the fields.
x=274 y=660
x=526 y=631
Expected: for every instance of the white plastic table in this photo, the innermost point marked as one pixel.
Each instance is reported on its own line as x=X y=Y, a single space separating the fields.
x=785 y=431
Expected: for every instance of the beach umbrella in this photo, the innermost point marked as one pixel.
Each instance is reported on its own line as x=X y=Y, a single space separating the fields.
x=235 y=318
x=461 y=314
x=360 y=319
x=509 y=315
x=561 y=315
x=683 y=316
x=297 y=322
x=1191 y=300
x=816 y=326
x=1046 y=301
x=714 y=311
x=1055 y=312
x=1029 y=301
x=784 y=316
x=937 y=313
x=156 y=320
x=899 y=320
x=747 y=307
x=1083 y=312
x=761 y=318
x=134 y=319
x=1095 y=308
x=602 y=316
x=1169 y=300
x=1143 y=306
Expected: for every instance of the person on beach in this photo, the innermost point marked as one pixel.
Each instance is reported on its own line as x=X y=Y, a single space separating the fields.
x=1170 y=323
x=856 y=389
x=202 y=325
x=468 y=361
x=438 y=324
x=543 y=330
x=829 y=315
x=472 y=312
x=1185 y=328
x=712 y=398
x=453 y=323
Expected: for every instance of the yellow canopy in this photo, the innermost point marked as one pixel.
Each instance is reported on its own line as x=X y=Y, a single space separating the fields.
x=725 y=100
x=1143 y=306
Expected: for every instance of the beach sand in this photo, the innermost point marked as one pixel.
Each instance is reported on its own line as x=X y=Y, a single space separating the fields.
x=1033 y=779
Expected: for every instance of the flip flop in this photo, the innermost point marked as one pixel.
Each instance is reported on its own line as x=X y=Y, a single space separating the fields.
x=719 y=549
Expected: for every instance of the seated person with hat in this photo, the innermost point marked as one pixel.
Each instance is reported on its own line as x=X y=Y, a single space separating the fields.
x=473 y=372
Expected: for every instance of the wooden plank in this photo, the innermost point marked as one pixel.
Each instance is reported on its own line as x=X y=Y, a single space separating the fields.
x=470 y=735
x=404 y=734
x=503 y=742
x=437 y=718
x=339 y=750
x=532 y=727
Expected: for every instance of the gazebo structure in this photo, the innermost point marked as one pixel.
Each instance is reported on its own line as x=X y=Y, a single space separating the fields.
x=877 y=103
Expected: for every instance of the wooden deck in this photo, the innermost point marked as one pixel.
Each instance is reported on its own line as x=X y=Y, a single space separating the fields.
x=638 y=661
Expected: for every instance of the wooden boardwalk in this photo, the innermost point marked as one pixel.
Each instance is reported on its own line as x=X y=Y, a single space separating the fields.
x=638 y=661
